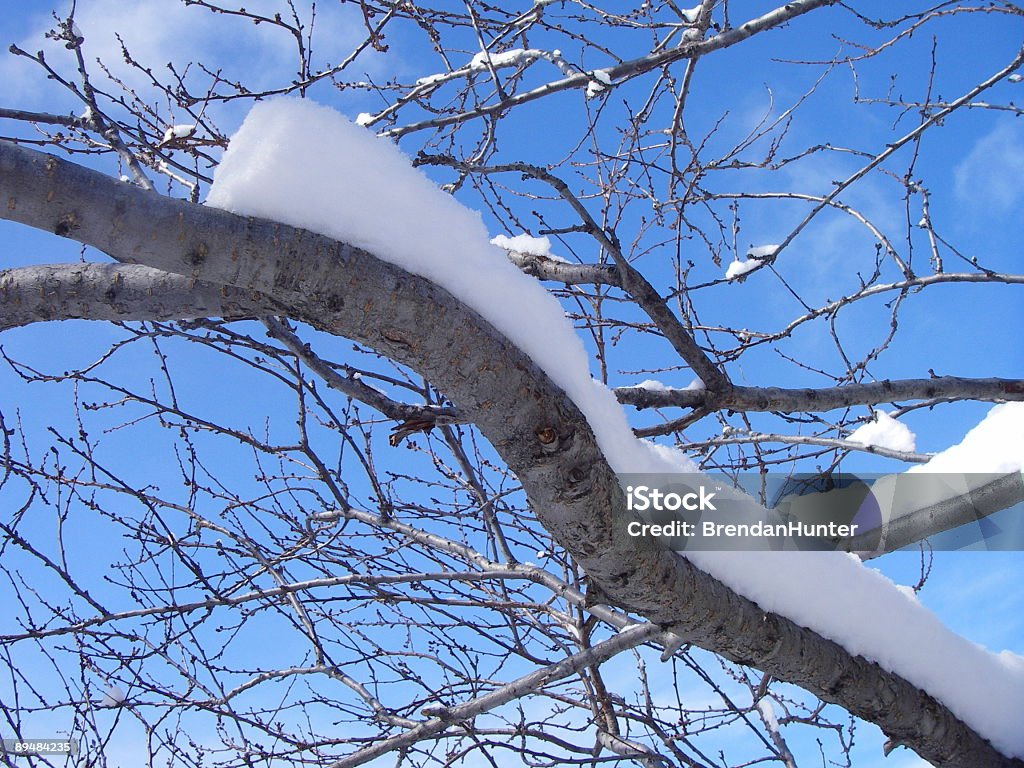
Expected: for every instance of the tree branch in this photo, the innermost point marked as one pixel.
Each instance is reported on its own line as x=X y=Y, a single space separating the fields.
x=626 y=69
x=118 y=292
x=443 y=718
x=544 y=268
x=826 y=399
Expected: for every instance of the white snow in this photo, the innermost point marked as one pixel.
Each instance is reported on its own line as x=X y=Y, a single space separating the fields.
x=995 y=445
x=652 y=384
x=502 y=59
x=113 y=697
x=697 y=385
x=885 y=432
x=363 y=119
x=523 y=243
x=600 y=80
x=690 y=14
x=179 y=132
x=755 y=258
x=739 y=268
x=762 y=252
x=1015 y=78
x=764 y=705
x=431 y=79
x=496 y=59
x=306 y=165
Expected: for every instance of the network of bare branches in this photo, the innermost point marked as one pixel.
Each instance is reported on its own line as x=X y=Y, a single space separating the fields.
x=237 y=536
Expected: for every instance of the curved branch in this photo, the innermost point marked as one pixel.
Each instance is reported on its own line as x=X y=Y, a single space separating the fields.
x=537 y=430
x=631 y=280
x=938 y=278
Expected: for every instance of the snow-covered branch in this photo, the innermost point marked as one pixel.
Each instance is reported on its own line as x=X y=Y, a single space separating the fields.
x=543 y=438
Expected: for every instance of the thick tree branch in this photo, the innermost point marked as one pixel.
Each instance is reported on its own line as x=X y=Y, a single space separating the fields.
x=826 y=399
x=118 y=292
x=538 y=431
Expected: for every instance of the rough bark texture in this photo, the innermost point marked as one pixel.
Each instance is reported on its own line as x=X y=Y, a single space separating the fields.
x=117 y=292
x=793 y=400
x=347 y=291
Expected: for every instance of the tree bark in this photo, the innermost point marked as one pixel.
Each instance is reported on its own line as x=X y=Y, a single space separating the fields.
x=118 y=292
x=826 y=399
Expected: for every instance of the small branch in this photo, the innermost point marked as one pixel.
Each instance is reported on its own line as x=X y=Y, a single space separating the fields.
x=444 y=717
x=544 y=268
x=353 y=387
x=832 y=307
x=675 y=425
x=68 y=121
x=827 y=442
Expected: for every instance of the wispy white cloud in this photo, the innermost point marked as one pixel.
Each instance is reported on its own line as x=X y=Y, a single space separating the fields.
x=988 y=178
x=157 y=32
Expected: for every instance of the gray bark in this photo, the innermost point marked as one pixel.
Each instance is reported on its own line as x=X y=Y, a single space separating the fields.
x=809 y=399
x=538 y=431
x=118 y=292
x=544 y=268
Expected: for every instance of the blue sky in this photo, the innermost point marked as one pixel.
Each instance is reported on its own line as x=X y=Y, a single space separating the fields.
x=973 y=165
